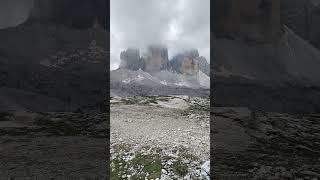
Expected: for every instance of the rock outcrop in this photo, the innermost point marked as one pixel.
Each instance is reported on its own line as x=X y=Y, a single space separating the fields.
x=190 y=63
x=156 y=59
x=14 y=12
x=186 y=63
x=203 y=65
x=251 y=20
x=74 y=13
x=82 y=14
x=130 y=59
x=302 y=16
x=282 y=67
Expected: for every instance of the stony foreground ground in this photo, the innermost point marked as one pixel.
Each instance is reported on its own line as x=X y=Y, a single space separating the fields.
x=260 y=145
x=160 y=138
x=53 y=145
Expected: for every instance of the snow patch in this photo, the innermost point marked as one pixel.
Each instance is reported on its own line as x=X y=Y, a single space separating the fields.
x=204 y=80
x=163 y=78
x=205 y=170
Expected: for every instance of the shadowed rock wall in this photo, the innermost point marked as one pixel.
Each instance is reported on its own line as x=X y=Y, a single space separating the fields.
x=72 y=13
x=251 y=20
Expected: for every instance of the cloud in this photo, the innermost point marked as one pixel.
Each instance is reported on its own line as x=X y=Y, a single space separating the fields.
x=179 y=24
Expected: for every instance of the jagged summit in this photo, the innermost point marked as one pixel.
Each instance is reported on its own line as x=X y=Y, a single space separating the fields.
x=153 y=73
x=156 y=59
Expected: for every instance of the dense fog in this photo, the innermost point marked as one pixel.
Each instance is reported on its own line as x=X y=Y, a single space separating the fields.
x=179 y=24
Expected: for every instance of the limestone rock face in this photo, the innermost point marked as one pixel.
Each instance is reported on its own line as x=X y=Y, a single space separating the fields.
x=203 y=64
x=14 y=12
x=156 y=59
x=186 y=63
x=303 y=17
x=130 y=59
x=74 y=13
x=250 y=20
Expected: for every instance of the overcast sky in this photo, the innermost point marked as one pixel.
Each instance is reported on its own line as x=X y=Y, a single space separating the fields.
x=178 y=24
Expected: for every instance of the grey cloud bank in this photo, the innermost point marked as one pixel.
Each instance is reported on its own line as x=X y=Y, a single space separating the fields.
x=178 y=24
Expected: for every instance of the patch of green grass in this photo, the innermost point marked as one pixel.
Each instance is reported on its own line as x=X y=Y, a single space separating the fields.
x=180 y=168
x=164 y=98
x=188 y=156
x=145 y=100
x=149 y=100
x=196 y=109
x=151 y=164
x=130 y=101
x=118 y=169
x=200 y=108
x=142 y=164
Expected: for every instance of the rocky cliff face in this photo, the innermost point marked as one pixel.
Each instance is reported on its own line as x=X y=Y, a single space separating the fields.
x=75 y=13
x=190 y=63
x=14 y=12
x=251 y=20
x=203 y=64
x=288 y=61
x=276 y=62
x=72 y=13
x=186 y=63
x=46 y=58
x=302 y=16
x=156 y=59
x=130 y=59
x=261 y=20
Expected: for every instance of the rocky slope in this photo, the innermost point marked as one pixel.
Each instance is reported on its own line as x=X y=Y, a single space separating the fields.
x=125 y=82
x=153 y=73
x=249 y=20
x=277 y=73
x=55 y=62
x=266 y=94
x=53 y=83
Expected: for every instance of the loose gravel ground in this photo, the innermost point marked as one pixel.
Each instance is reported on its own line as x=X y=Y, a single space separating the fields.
x=173 y=131
x=264 y=145
x=55 y=145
